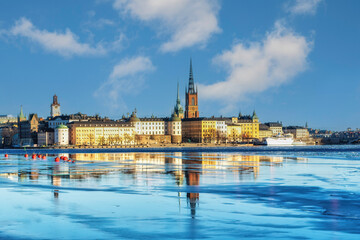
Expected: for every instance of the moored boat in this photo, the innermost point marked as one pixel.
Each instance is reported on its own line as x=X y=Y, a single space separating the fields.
x=285 y=140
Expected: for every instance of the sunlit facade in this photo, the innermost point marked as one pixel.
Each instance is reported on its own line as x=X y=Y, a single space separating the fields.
x=101 y=133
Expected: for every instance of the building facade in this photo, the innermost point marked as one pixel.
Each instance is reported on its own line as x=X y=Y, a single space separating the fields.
x=275 y=127
x=249 y=125
x=104 y=132
x=265 y=131
x=297 y=131
x=61 y=136
x=45 y=138
x=203 y=130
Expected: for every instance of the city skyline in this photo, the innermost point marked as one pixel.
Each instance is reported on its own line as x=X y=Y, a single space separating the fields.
x=110 y=59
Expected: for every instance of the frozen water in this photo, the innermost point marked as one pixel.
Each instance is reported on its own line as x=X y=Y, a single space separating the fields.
x=301 y=193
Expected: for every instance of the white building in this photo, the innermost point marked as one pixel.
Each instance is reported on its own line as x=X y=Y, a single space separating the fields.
x=58 y=120
x=61 y=135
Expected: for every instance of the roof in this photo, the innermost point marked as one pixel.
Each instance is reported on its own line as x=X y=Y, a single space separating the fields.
x=62 y=126
x=264 y=127
x=294 y=127
x=98 y=123
x=273 y=124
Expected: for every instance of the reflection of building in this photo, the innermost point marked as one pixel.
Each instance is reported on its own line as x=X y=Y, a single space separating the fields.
x=55 y=107
x=191 y=106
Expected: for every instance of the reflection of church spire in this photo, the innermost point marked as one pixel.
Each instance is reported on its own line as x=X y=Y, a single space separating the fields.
x=192 y=179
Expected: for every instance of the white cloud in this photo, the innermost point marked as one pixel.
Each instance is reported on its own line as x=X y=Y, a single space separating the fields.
x=126 y=78
x=304 y=7
x=64 y=44
x=257 y=66
x=188 y=22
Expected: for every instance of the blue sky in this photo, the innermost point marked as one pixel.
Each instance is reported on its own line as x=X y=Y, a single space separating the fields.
x=292 y=61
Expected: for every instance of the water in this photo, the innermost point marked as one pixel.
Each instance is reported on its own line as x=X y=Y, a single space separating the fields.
x=302 y=193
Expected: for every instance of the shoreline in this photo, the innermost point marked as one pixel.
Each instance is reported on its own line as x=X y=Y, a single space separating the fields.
x=188 y=148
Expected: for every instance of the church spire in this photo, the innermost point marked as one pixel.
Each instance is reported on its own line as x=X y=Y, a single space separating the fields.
x=191 y=80
x=178 y=98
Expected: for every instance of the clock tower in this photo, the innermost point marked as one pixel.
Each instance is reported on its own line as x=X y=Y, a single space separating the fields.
x=55 y=107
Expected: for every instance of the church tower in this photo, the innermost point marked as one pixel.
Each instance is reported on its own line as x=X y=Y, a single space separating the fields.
x=191 y=96
x=55 y=107
x=178 y=109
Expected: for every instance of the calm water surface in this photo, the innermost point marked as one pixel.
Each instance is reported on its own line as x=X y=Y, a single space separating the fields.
x=186 y=195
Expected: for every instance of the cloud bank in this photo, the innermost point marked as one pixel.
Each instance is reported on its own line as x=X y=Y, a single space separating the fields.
x=126 y=78
x=257 y=66
x=62 y=43
x=304 y=7
x=188 y=22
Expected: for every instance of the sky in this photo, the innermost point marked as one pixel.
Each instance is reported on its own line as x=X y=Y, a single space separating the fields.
x=293 y=61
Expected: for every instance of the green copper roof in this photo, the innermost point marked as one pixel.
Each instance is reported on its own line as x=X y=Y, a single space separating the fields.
x=21 y=115
x=254 y=116
x=175 y=117
x=62 y=126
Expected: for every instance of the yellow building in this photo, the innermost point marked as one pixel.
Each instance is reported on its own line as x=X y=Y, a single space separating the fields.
x=249 y=125
x=234 y=133
x=101 y=133
x=265 y=131
x=199 y=130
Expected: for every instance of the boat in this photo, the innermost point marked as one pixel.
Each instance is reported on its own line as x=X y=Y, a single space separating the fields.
x=280 y=140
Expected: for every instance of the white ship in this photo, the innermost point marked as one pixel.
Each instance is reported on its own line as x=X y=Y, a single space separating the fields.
x=286 y=140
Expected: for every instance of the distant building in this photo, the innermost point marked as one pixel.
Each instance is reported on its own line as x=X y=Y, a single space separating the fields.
x=55 y=107
x=191 y=98
x=249 y=125
x=204 y=129
x=7 y=119
x=101 y=132
x=297 y=131
x=164 y=130
x=174 y=127
x=8 y=135
x=28 y=129
x=46 y=138
x=61 y=136
x=234 y=133
x=265 y=131
x=53 y=122
x=275 y=127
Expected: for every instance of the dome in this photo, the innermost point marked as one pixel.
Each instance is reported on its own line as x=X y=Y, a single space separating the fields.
x=62 y=126
x=175 y=117
x=134 y=118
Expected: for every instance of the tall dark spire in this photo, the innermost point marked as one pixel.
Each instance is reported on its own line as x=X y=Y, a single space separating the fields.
x=178 y=98
x=191 y=88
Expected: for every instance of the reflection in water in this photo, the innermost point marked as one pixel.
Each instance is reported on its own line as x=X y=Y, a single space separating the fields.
x=182 y=166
